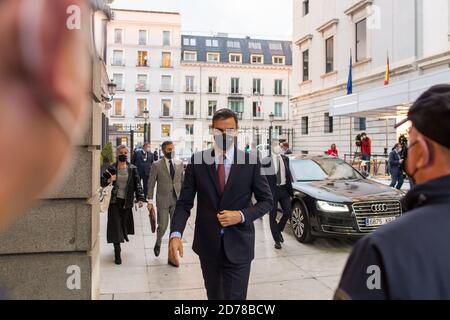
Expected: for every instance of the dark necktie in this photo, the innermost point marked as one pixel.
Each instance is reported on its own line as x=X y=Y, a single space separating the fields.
x=172 y=170
x=278 y=171
x=221 y=175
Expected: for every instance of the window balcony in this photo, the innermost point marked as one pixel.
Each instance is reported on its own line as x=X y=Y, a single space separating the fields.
x=166 y=64
x=258 y=116
x=257 y=92
x=282 y=92
x=279 y=116
x=143 y=64
x=190 y=89
x=166 y=88
x=214 y=90
x=142 y=87
x=235 y=90
x=120 y=86
x=192 y=115
x=118 y=63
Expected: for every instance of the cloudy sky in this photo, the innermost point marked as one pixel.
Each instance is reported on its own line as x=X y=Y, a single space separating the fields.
x=256 y=18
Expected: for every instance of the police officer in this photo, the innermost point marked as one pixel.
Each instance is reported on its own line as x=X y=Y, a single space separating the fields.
x=409 y=258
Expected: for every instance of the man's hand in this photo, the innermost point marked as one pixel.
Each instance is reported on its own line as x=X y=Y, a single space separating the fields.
x=175 y=247
x=229 y=218
x=150 y=206
x=112 y=179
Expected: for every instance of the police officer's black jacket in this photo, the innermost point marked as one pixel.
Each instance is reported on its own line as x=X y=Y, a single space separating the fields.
x=411 y=256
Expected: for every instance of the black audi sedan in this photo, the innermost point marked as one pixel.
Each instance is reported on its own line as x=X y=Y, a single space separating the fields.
x=331 y=198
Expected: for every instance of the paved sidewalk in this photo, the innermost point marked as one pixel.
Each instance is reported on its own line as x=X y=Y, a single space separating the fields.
x=296 y=272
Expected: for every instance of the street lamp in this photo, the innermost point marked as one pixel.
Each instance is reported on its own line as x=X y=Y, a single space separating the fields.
x=146 y=116
x=112 y=88
x=271 y=118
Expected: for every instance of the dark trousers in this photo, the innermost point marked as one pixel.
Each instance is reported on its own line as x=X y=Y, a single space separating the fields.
x=397 y=179
x=281 y=195
x=145 y=184
x=225 y=280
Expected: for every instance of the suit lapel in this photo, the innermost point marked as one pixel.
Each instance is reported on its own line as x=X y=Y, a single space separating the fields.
x=211 y=168
x=234 y=173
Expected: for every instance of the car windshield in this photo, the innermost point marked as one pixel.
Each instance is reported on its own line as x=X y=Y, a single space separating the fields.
x=322 y=169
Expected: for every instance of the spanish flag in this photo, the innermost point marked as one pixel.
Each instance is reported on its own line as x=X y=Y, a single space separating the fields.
x=387 y=76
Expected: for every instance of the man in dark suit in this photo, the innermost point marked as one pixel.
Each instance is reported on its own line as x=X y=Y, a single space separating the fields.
x=224 y=180
x=276 y=169
x=143 y=160
x=395 y=167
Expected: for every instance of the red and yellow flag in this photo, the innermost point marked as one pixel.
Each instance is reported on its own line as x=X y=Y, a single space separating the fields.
x=387 y=75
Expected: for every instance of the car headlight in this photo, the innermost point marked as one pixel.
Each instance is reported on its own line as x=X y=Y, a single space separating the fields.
x=332 y=207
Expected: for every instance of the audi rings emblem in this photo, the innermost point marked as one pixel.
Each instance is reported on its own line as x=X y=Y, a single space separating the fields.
x=379 y=207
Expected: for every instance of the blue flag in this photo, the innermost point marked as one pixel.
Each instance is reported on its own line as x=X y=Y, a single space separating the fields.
x=350 y=77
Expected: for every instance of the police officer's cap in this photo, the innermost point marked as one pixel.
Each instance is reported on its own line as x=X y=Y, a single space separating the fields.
x=430 y=114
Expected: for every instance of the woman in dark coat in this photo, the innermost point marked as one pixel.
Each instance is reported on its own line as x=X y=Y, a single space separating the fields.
x=126 y=187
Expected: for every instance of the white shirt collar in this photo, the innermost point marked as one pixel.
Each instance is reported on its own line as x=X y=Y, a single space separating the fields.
x=229 y=154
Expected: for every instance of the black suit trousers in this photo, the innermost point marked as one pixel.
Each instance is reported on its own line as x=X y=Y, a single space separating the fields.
x=145 y=182
x=225 y=280
x=281 y=195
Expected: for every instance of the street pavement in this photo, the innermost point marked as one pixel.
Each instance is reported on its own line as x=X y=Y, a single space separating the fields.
x=297 y=272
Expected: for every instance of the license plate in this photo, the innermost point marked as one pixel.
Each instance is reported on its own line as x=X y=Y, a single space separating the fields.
x=374 y=222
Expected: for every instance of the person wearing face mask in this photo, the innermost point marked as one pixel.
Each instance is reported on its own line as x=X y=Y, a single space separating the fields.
x=143 y=160
x=278 y=173
x=395 y=166
x=168 y=174
x=126 y=187
x=408 y=259
x=224 y=180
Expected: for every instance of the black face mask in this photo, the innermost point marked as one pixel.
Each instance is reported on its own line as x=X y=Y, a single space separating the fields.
x=123 y=158
x=168 y=155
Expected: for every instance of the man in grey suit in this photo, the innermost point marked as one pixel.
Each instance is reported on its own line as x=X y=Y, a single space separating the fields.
x=168 y=173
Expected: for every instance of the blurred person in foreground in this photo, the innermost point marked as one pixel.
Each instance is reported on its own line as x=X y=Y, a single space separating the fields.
x=409 y=259
x=45 y=83
x=223 y=179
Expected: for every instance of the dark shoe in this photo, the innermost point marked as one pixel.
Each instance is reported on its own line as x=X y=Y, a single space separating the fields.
x=157 y=250
x=118 y=259
x=281 y=238
x=277 y=245
x=171 y=264
x=126 y=238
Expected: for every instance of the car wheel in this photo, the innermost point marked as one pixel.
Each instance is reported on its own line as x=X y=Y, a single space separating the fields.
x=300 y=224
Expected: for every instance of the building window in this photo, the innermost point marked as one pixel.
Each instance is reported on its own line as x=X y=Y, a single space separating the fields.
x=235 y=58
x=211 y=43
x=212 y=57
x=189 y=42
x=278 y=131
x=361 y=40
x=118 y=57
x=278 y=88
x=190 y=56
x=166 y=60
x=142 y=82
x=329 y=55
x=141 y=106
x=257 y=109
x=142 y=37
x=118 y=107
x=142 y=59
x=118 y=36
x=212 y=108
x=165 y=131
x=328 y=123
x=275 y=47
x=233 y=44
x=257 y=59
x=278 y=109
x=166 y=107
x=236 y=106
x=189 y=108
x=166 y=38
x=305 y=7
x=189 y=129
x=257 y=86
x=305 y=55
x=235 y=86
x=118 y=80
x=280 y=60
x=360 y=124
x=189 y=84
x=305 y=128
x=254 y=45
x=212 y=85
x=166 y=83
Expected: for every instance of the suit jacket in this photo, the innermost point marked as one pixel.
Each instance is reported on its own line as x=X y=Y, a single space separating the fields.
x=394 y=162
x=271 y=175
x=142 y=165
x=164 y=190
x=201 y=179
